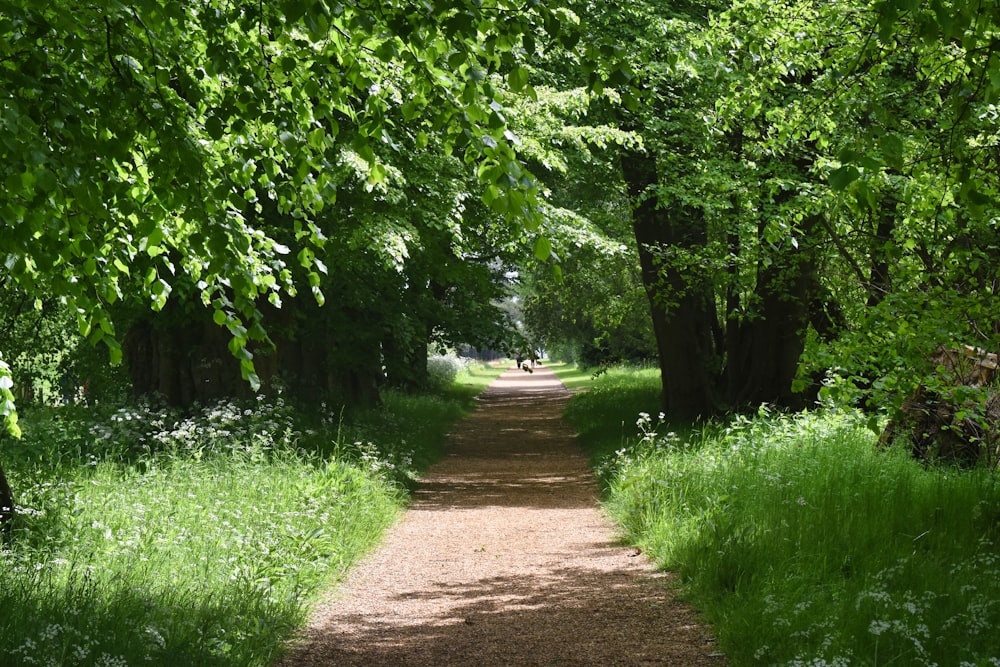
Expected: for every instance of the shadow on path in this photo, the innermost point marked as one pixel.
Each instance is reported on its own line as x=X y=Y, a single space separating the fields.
x=506 y=559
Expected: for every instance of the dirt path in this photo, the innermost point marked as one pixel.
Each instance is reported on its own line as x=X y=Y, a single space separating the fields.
x=506 y=559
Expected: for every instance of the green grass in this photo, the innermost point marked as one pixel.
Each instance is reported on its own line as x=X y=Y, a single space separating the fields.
x=477 y=376
x=571 y=375
x=804 y=544
x=145 y=537
x=605 y=415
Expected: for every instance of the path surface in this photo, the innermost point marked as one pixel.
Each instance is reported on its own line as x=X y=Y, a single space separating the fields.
x=506 y=559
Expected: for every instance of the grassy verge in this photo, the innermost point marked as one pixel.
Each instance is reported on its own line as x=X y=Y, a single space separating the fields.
x=477 y=376
x=571 y=375
x=604 y=416
x=145 y=537
x=804 y=544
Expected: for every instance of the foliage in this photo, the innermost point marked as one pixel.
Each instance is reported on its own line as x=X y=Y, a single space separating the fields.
x=7 y=410
x=201 y=148
x=871 y=141
x=813 y=178
x=144 y=535
x=38 y=337
x=596 y=304
x=49 y=361
x=443 y=369
x=604 y=415
x=803 y=543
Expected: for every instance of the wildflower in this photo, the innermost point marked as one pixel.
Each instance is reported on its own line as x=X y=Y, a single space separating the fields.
x=878 y=627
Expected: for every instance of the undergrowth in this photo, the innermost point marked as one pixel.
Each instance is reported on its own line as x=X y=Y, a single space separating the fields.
x=144 y=536
x=802 y=542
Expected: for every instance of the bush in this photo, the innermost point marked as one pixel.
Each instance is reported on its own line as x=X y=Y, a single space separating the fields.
x=442 y=369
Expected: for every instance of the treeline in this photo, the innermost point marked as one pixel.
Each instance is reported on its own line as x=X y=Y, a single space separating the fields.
x=811 y=193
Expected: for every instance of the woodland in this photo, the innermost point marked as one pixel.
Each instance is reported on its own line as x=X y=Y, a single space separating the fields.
x=778 y=203
x=226 y=195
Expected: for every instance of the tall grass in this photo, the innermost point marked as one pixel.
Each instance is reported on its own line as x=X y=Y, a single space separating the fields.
x=147 y=537
x=806 y=545
x=604 y=416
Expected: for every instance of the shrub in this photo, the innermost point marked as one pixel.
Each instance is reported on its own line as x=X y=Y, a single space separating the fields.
x=442 y=369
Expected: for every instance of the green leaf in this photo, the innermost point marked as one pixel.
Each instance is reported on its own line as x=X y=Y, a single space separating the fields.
x=294 y=10
x=870 y=163
x=317 y=139
x=114 y=350
x=844 y=176
x=865 y=196
x=376 y=175
x=518 y=79
x=543 y=248
x=386 y=51
x=847 y=155
x=45 y=180
x=892 y=150
x=214 y=127
x=10 y=421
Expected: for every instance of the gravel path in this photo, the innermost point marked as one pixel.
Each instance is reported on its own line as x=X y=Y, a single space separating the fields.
x=505 y=558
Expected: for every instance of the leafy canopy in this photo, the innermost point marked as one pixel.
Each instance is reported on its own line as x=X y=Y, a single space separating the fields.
x=141 y=142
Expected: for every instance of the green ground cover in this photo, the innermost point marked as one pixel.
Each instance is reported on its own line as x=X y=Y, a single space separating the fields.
x=801 y=541
x=574 y=377
x=148 y=537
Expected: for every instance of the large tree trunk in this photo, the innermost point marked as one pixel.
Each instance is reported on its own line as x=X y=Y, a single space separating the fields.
x=322 y=353
x=764 y=348
x=319 y=354
x=181 y=357
x=680 y=301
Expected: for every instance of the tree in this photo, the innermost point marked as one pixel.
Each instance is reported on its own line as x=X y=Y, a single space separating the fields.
x=895 y=184
x=795 y=161
x=147 y=145
x=588 y=298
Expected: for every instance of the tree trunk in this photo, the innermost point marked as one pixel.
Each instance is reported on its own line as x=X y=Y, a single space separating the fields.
x=182 y=357
x=320 y=354
x=6 y=503
x=325 y=353
x=681 y=304
x=880 y=283
x=764 y=348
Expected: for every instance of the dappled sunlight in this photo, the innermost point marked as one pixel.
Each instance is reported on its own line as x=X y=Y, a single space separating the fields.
x=596 y=609
x=505 y=558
